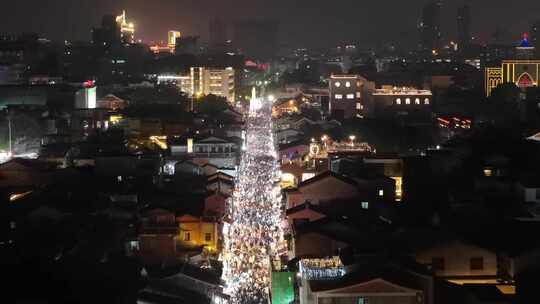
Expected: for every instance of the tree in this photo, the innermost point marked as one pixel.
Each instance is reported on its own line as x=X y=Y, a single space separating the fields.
x=211 y=105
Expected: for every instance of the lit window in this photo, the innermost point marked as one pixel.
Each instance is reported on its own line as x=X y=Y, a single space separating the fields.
x=358 y=83
x=338 y=84
x=359 y=106
x=426 y=101
x=350 y=96
x=398 y=101
x=365 y=205
x=408 y=101
x=358 y=95
x=339 y=96
x=348 y=84
x=381 y=192
x=208 y=237
x=417 y=101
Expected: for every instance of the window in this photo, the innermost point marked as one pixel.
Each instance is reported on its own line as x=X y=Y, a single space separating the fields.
x=381 y=192
x=426 y=101
x=348 y=84
x=408 y=101
x=208 y=237
x=350 y=96
x=338 y=84
x=417 y=101
x=358 y=95
x=477 y=263
x=339 y=96
x=359 y=106
x=398 y=101
x=187 y=236
x=365 y=205
x=437 y=263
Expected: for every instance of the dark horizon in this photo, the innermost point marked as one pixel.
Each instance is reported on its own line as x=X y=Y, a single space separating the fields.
x=346 y=21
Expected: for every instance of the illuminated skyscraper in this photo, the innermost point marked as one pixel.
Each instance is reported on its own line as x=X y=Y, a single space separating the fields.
x=431 y=25
x=463 y=27
x=127 y=29
x=171 y=39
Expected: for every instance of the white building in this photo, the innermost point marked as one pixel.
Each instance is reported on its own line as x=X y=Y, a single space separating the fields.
x=202 y=80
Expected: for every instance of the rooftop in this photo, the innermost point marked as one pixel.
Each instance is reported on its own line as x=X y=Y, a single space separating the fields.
x=401 y=91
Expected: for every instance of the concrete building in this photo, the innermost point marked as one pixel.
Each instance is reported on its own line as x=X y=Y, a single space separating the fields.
x=345 y=96
x=408 y=104
x=204 y=81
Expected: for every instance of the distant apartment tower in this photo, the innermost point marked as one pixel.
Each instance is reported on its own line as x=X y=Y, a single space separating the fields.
x=187 y=45
x=108 y=34
x=431 y=25
x=535 y=37
x=345 y=96
x=256 y=38
x=464 y=36
x=171 y=39
x=218 y=32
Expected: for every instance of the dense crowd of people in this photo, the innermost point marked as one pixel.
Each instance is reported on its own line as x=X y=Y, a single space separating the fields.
x=253 y=234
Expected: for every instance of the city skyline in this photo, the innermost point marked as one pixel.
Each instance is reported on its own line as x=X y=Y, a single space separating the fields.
x=349 y=21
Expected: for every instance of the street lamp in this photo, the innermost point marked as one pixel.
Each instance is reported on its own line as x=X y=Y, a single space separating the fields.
x=352 y=138
x=271 y=98
x=324 y=138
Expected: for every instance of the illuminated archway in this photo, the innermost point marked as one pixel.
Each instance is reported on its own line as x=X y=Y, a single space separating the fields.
x=525 y=81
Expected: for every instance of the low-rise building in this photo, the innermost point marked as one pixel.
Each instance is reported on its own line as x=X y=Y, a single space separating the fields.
x=198 y=232
x=409 y=105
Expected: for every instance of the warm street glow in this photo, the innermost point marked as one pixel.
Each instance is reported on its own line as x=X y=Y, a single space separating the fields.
x=253 y=236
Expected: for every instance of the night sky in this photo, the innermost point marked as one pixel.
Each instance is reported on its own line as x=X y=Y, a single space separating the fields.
x=302 y=22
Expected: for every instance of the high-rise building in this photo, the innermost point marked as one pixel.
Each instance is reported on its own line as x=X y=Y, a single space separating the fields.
x=463 y=27
x=127 y=29
x=431 y=25
x=256 y=38
x=171 y=39
x=108 y=34
x=218 y=32
x=187 y=45
x=535 y=37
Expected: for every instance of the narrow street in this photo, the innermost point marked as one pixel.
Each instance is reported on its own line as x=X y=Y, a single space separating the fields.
x=253 y=233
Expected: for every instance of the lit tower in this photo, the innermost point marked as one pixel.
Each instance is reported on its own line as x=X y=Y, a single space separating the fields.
x=464 y=27
x=171 y=39
x=127 y=29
